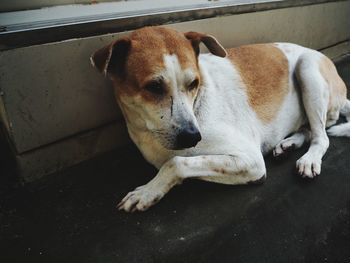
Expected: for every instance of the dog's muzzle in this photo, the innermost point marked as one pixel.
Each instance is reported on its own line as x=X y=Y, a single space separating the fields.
x=188 y=137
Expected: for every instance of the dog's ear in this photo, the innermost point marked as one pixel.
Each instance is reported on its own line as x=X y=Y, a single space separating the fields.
x=209 y=41
x=112 y=58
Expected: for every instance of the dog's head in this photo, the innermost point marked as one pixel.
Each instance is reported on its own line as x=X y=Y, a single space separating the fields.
x=156 y=77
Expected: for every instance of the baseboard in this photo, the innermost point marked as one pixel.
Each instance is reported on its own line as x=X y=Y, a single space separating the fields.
x=54 y=157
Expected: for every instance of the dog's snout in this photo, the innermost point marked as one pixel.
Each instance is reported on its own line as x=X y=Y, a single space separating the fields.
x=188 y=137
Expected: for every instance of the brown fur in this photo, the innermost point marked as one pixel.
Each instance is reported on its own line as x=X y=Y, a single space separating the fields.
x=264 y=71
x=335 y=83
x=148 y=46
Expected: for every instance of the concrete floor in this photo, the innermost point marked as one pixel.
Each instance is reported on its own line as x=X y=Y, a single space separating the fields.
x=71 y=216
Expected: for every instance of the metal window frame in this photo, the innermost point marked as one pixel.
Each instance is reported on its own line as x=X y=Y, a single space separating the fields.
x=22 y=35
x=19 y=5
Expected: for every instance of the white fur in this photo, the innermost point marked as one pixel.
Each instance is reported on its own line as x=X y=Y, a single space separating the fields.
x=341 y=130
x=234 y=139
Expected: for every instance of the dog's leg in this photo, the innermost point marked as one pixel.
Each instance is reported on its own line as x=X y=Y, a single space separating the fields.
x=315 y=97
x=295 y=141
x=225 y=169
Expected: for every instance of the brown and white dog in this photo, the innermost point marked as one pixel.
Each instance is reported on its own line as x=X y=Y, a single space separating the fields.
x=213 y=116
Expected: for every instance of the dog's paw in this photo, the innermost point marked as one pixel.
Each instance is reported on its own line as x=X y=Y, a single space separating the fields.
x=341 y=130
x=283 y=147
x=142 y=198
x=308 y=167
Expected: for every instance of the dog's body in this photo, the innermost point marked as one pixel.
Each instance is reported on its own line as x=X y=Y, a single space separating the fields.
x=232 y=108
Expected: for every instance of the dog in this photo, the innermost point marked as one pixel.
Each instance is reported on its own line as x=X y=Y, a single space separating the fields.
x=213 y=116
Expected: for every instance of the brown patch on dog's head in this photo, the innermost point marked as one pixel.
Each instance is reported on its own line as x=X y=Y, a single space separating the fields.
x=133 y=61
x=143 y=51
x=265 y=72
x=146 y=59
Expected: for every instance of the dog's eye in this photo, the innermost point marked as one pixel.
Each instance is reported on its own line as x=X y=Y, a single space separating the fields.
x=155 y=87
x=193 y=85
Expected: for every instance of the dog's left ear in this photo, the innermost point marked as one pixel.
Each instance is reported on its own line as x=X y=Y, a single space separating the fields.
x=209 y=41
x=112 y=58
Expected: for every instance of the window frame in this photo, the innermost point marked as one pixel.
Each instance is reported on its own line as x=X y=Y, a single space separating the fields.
x=17 y=35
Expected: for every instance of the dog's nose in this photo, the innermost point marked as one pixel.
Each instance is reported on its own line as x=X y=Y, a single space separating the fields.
x=188 y=137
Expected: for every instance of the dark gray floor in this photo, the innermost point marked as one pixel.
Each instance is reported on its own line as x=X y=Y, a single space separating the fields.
x=71 y=216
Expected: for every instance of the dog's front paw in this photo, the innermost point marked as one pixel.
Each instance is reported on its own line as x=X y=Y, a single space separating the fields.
x=308 y=167
x=140 y=199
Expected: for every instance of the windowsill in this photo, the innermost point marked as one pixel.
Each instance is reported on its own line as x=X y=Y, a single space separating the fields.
x=30 y=27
